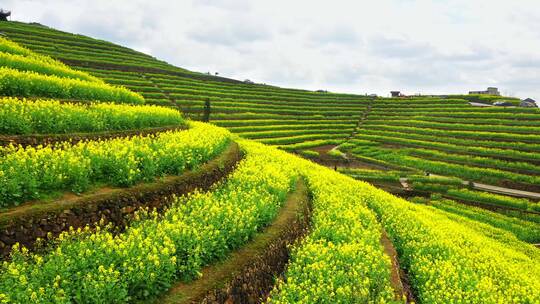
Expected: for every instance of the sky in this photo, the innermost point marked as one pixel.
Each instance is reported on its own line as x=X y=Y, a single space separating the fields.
x=428 y=47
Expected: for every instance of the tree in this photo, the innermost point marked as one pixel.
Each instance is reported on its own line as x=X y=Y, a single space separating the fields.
x=207 y=109
x=4 y=14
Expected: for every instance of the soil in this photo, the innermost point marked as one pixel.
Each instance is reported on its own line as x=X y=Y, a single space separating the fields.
x=47 y=139
x=335 y=162
x=398 y=277
x=518 y=186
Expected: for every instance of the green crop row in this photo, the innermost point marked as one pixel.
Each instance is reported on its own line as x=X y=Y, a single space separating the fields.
x=175 y=81
x=29 y=173
x=492 y=136
x=285 y=110
x=523 y=230
x=85 y=56
x=475 y=161
x=471 y=173
x=282 y=127
x=309 y=144
x=8 y=46
x=455 y=126
x=374 y=176
x=287 y=133
x=474 y=113
x=454 y=145
x=288 y=140
x=51 y=36
x=266 y=95
x=309 y=153
x=138 y=82
x=493 y=199
x=405 y=111
x=259 y=124
x=30 y=84
x=246 y=116
x=417 y=101
x=157 y=95
x=23 y=117
x=248 y=96
x=475 y=121
x=261 y=103
x=51 y=47
x=141 y=90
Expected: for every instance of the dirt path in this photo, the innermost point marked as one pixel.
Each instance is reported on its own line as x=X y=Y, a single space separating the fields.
x=505 y=191
x=398 y=277
x=166 y=93
x=497 y=189
x=28 y=222
x=405 y=184
x=49 y=139
x=363 y=117
x=248 y=274
x=347 y=161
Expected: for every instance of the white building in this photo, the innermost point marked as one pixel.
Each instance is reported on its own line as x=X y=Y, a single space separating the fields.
x=489 y=91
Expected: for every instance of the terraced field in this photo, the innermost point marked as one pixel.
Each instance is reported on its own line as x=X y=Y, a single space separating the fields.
x=448 y=137
x=271 y=115
x=107 y=197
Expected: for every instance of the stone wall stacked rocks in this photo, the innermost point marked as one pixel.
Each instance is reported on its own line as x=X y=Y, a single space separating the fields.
x=28 y=222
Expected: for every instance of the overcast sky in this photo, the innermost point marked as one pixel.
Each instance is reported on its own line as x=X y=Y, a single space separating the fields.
x=343 y=46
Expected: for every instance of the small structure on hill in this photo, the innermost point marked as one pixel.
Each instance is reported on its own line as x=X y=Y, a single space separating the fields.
x=528 y=103
x=248 y=81
x=489 y=91
x=4 y=15
x=321 y=91
x=397 y=94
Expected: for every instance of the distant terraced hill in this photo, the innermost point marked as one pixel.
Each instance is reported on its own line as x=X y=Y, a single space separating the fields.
x=256 y=111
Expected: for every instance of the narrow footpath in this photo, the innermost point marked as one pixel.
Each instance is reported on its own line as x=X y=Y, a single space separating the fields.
x=248 y=274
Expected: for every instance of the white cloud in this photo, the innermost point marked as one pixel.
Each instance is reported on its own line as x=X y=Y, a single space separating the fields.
x=354 y=46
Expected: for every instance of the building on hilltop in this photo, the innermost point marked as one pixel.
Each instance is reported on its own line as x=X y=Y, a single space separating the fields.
x=489 y=91
x=397 y=94
x=4 y=15
x=528 y=103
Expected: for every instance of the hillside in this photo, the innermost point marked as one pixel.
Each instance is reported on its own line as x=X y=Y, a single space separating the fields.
x=109 y=194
